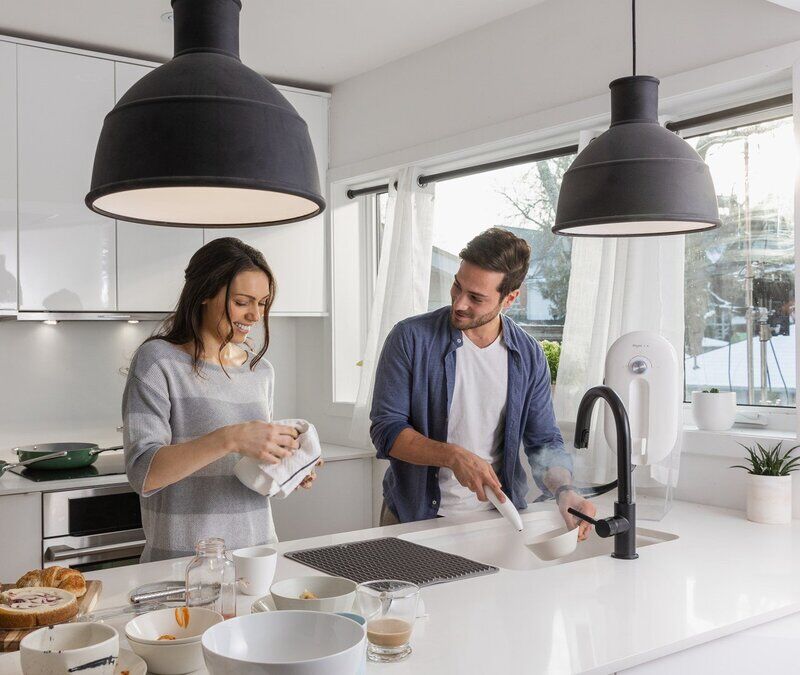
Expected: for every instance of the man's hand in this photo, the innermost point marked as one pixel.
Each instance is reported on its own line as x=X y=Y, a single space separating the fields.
x=308 y=481
x=570 y=499
x=473 y=473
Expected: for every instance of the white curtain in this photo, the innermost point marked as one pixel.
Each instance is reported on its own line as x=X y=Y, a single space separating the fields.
x=402 y=285
x=617 y=285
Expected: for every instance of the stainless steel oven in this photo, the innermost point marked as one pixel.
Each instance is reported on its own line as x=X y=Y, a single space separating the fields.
x=92 y=529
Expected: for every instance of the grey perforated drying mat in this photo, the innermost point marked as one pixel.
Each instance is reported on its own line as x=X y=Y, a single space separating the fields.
x=390 y=558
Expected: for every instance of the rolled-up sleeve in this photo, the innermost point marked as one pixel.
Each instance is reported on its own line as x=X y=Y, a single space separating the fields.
x=145 y=414
x=391 y=397
x=541 y=437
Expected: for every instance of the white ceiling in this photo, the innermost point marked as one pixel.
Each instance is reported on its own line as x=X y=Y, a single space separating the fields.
x=311 y=42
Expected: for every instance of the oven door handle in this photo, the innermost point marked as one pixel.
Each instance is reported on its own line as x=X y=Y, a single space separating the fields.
x=57 y=553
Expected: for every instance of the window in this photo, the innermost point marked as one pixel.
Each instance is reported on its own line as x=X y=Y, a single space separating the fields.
x=739 y=282
x=522 y=199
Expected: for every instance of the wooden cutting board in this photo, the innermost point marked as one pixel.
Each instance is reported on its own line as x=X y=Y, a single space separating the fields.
x=10 y=639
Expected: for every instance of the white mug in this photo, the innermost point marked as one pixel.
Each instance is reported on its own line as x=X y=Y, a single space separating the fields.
x=69 y=648
x=255 y=569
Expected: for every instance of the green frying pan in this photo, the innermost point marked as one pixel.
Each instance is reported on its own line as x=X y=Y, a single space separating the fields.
x=78 y=454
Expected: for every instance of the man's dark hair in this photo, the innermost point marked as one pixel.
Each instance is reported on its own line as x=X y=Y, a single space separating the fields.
x=499 y=250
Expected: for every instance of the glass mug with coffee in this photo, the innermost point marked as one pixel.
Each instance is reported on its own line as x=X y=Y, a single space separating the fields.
x=390 y=608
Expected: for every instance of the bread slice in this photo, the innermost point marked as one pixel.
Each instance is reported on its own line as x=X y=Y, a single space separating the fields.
x=31 y=607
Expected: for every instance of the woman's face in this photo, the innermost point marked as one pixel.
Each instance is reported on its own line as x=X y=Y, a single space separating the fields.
x=248 y=298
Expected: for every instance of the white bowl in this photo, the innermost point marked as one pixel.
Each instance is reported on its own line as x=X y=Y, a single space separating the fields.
x=68 y=648
x=166 y=658
x=334 y=594
x=147 y=628
x=285 y=643
x=553 y=544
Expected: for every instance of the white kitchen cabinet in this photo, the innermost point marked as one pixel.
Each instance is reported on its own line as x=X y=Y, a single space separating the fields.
x=150 y=260
x=67 y=253
x=339 y=501
x=296 y=251
x=21 y=534
x=8 y=178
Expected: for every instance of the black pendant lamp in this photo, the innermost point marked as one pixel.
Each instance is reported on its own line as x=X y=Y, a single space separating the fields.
x=203 y=140
x=637 y=179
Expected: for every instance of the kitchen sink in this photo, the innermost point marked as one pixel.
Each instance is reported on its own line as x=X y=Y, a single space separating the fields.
x=494 y=542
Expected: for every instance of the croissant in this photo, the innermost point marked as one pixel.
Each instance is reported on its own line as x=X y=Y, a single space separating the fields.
x=55 y=577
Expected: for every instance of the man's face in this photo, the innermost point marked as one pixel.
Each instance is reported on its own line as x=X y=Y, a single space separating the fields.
x=475 y=298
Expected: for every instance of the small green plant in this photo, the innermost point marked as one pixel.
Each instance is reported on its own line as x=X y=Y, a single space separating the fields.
x=713 y=390
x=552 y=351
x=771 y=462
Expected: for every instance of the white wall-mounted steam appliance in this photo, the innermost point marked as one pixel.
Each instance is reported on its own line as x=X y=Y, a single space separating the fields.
x=642 y=368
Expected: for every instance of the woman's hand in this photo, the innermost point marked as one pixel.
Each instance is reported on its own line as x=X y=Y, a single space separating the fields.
x=308 y=481
x=264 y=442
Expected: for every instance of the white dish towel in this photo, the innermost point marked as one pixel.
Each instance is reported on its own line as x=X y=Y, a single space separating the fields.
x=280 y=480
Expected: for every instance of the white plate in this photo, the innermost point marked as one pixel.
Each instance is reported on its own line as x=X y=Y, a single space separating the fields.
x=267 y=604
x=10 y=665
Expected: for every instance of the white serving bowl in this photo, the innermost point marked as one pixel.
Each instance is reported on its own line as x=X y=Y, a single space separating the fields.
x=285 y=643
x=170 y=657
x=334 y=594
x=147 y=628
x=553 y=544
x=67 y=648
x=166 y=658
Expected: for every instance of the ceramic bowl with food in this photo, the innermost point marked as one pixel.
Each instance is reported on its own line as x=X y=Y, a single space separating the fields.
x=166 y=658
x=169 y=639
x=317 y=594
x=176 y=625
x=69 y=648
x=285 y=643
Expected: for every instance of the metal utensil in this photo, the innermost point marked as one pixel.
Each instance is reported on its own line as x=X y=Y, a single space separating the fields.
x=5 y=466
x=122 y=610
x=163 y=591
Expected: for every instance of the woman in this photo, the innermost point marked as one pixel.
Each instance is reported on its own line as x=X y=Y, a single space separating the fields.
x=196 y=400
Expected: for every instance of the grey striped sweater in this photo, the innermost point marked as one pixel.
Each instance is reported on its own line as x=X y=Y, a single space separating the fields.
x=166 y=403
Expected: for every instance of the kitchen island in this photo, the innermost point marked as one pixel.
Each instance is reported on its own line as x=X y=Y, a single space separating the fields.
x=721 y=575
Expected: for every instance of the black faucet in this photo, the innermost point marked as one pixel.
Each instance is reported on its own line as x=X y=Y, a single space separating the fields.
x=622 y=525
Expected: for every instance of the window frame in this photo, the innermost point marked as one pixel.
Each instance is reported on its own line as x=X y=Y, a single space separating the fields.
x=751 y=420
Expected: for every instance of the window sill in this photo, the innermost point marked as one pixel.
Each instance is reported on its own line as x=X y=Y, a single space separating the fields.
x=726 y=443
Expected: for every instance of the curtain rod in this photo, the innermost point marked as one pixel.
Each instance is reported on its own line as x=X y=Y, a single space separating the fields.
x=470 y=170
x=738 y=111
x=680 y=125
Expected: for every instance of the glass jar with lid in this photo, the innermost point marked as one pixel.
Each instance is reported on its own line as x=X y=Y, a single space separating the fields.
x=211 y=578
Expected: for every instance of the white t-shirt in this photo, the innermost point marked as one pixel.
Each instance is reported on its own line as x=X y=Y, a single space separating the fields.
x=477 y=418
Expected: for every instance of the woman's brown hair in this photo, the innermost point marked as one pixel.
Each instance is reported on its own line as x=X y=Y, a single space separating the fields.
x=211 y=268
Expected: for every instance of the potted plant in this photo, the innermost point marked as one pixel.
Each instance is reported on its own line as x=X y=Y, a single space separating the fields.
x=769 y=483
x=714 y=410
x=552 y=352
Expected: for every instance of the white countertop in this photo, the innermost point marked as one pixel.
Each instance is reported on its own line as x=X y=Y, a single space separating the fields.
x=11 y=483
x=723 y=574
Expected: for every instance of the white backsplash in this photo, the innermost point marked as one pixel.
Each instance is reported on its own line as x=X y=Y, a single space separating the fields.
x=70 y=376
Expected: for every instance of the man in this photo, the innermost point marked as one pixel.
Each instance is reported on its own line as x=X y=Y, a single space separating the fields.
x=459 y=390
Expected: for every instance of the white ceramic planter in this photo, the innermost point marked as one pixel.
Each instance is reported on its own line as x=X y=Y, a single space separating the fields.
x=714 y=412
x=769 y=499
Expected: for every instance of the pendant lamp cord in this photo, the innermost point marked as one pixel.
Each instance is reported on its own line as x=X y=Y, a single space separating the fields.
x=633 y=33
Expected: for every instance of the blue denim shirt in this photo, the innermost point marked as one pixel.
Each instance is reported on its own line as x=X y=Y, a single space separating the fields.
x=414 y=385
